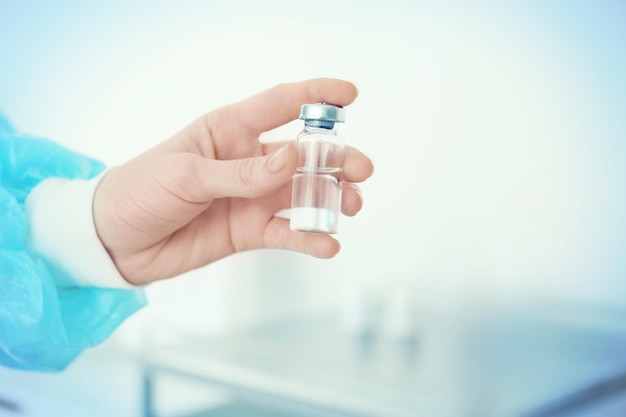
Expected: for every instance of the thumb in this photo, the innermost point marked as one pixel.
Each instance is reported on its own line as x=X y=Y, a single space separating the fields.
x=251 y=177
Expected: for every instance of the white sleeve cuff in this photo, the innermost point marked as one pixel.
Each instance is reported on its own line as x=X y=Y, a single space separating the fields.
x=62 y=231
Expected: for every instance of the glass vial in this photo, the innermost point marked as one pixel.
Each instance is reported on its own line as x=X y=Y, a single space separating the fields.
x=316 y=194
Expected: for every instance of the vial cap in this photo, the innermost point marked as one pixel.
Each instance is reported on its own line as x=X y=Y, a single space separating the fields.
x=322 y=115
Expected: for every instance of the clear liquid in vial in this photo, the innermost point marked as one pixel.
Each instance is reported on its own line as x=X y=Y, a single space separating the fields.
x=316 y=200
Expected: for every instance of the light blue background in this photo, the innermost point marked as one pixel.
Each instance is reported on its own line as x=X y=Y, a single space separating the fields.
x=498 y=132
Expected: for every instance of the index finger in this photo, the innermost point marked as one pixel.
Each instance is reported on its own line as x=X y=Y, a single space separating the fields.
x=278 y=105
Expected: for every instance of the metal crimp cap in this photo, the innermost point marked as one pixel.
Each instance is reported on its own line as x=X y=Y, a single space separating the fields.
x=322 y=115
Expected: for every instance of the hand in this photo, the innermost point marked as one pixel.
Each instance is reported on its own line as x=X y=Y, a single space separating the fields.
x=213 y=189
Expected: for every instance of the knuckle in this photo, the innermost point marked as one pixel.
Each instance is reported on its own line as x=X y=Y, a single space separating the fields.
x=245 y=172
x=186 y=168
x=182 y=177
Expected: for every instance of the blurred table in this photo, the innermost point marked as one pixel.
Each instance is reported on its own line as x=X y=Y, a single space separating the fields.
x=526 y=362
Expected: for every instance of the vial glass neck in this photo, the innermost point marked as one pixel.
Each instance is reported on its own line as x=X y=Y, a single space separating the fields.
x=320 y=124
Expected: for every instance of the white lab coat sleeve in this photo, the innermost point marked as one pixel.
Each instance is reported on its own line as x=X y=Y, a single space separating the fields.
x=62 y=231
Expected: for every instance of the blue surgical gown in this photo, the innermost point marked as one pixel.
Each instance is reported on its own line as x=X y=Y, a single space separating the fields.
x=44 y=327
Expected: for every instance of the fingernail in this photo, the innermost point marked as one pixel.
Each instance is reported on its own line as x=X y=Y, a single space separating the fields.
x=278 y=161
x=356 y=189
